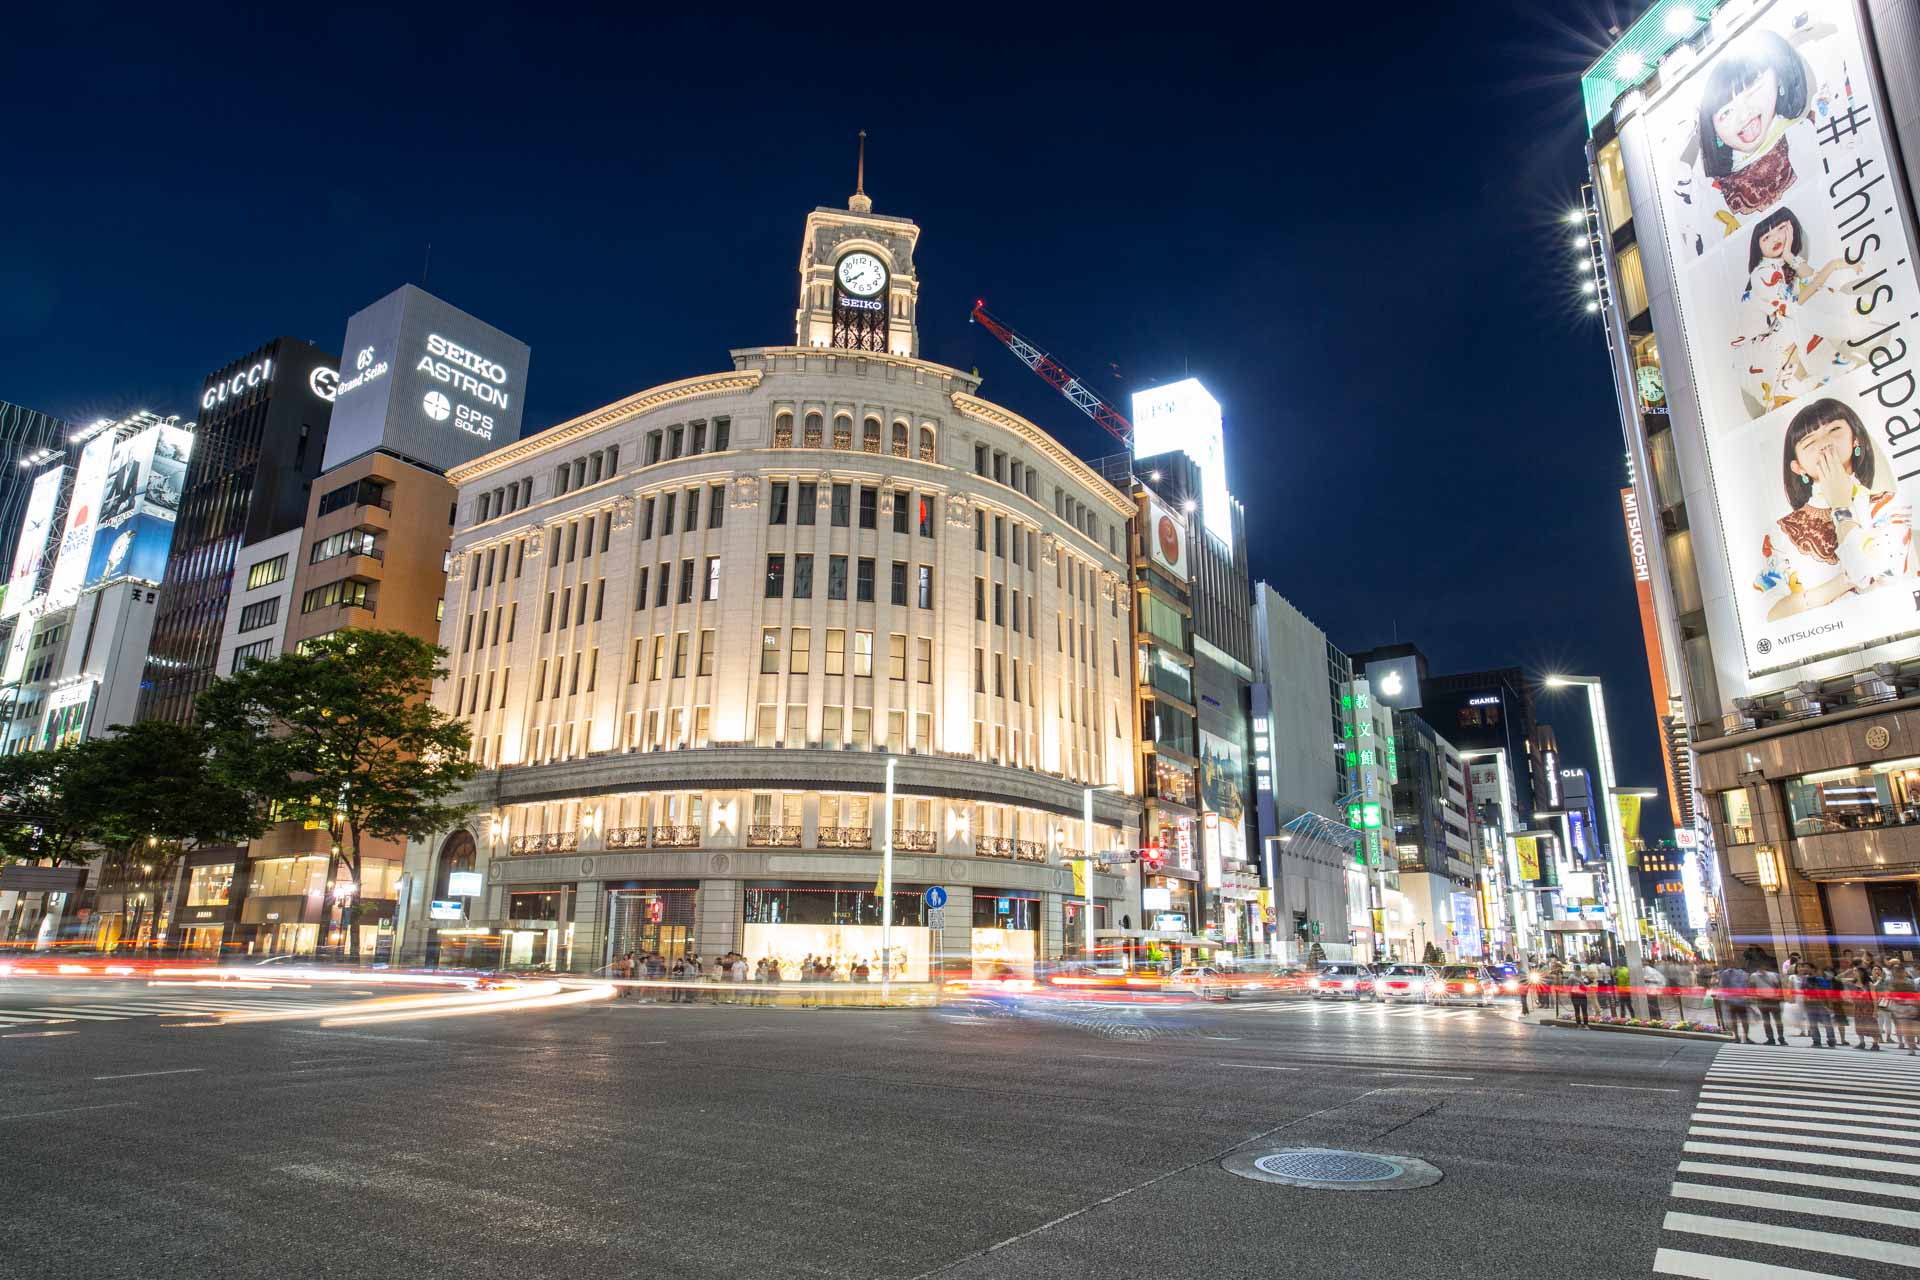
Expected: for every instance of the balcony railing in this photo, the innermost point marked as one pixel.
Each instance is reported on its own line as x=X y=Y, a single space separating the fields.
x=843 y=439
x=870 y=444
x=1029 y=851
x=676 y=837
x=845 y=838
x=899 y=448
x=773 y=837
x=551 y=842
x=811 y=438
x=627 y=837
x=783 y=437
x=926 y=453
x=913 y=840
x=993 y=846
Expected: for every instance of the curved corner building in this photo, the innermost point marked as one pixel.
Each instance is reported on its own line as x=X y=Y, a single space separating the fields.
x=691 y=630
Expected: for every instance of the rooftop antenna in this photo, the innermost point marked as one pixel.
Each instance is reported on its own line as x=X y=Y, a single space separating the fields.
x=426 y=265
x=861 y=202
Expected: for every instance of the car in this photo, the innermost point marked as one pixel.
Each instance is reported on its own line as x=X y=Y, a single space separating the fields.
x=1202 y=980
x=1342 y=981
x=1512 y=979
x=1463 y=984
x=1404 y=982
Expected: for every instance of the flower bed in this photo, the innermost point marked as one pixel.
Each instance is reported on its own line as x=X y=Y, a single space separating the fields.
x=1647 y=1027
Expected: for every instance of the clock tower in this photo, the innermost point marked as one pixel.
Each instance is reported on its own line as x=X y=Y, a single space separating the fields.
x=857 y=284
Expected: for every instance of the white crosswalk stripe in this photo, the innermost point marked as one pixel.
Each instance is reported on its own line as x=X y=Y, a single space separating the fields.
x=1797 y=1161
x=1365 y=1009
x=156 y=1006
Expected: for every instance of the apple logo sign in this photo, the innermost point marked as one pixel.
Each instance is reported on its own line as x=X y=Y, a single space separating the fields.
x=1391 y=685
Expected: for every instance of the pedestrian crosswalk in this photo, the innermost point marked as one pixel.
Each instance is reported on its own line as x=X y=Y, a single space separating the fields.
x=31 y=1012
x=1365 y=1009
x=1799 y=1164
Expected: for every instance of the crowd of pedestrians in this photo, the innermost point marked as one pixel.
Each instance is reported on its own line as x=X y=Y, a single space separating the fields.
x=734 y=968
x=1754 y=999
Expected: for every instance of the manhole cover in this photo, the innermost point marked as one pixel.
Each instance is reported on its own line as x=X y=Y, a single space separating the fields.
x=1325 y=1170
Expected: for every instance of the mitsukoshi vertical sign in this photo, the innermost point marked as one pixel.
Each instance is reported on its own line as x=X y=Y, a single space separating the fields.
x=1796 y=287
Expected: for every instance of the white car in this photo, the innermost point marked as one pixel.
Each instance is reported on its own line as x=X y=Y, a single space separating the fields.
x=1404 y=982
x=1202 y=980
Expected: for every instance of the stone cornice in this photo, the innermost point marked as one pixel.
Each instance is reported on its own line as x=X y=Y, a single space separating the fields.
x=774 y=768
x=992 y=414
x=944 y=372
x=706 y=384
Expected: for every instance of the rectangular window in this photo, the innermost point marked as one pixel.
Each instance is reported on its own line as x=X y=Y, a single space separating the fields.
x=717 y=506
x=979 y=531
x=261 y=613
x=705 y=668
x=581 y=617
x=926 y=514
x=777 y=503
x=901 y=498
x=663 y=583
x=267 y=572
x=606 y=532
x=679 y=654
x=842 y=509
x=769 y=651
x=251 y=652
x=923 y=732
x=800 y=651
x=1016 y=609
x=899 y=582
x=666 y=513
x=803 y=577
x=513 y=617
x=1000 y=537
x=1017 y=540
x=764 y=722
x=796 y=732
x=573 y=539
x=360 y=493
x=646 y=519
x=566 y=604
x=999 y=605
x=979 y=599
x=599 y=599
x=869 y=506
x=836 y=652
x=720 y=431
x=836 y=577
x=999 y=677
x=776 y=577
x=713 y=578
x=861 y=738
x=653 y=447
x=925 y=586
x=896 y=732
x=686 y=582
x=586 y=537
x=863 y=581
x=979 y=670
x=699 y=438
x=540 y=682
x=863 y=653
x=693 y=511
x=830 y=718
x=659 y=657
x=807 y=504
x=344 y=594
x=573 y=685
x=923 y=660
x=896 y=657
x=676 y=436
x=640 y=596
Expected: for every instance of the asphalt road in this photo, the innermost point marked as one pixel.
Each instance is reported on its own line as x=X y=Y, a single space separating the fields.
x=695 y=1141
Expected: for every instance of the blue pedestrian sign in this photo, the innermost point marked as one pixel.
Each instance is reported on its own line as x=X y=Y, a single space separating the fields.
x=936 y=897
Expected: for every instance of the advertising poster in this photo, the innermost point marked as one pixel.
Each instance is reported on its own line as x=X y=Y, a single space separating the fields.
x=145 y=481
x=83 y=519
x=1182 y=417
x=1223 y=769
x=1797 y=288
x=35 y=529
x=1527 y=850
x=1167 y=539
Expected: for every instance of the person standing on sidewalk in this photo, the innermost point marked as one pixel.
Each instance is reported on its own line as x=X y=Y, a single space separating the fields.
x=1903 y=996
x=1577 y=984
x=1819 y=992
x=1655 y=982
x=1733 y=983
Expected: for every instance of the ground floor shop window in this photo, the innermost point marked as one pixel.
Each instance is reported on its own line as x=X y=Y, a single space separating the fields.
x=836 y=931
x=1006 y=934
x=651 y=921
x=1074 y=929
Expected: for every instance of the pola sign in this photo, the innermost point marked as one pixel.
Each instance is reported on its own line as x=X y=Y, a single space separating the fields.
x=427 y=381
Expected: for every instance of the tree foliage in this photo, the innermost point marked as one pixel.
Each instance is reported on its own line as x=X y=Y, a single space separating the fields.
x=343 y=732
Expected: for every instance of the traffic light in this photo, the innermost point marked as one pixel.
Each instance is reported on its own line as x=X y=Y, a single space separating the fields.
x=1151 y=860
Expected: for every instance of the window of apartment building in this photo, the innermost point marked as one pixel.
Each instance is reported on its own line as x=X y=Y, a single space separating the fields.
x=264 y=613
x=979 y=599
x=927 y=502
x=777 y=502
x=842 y=508
x=925 y=586
x=640 y=596
x=713 y=578
x=869 y=506
x=863 y=580
x=807 y=505
x=776 y=577
x=836 y=577
x=265 y=574
x=693 y=511
x=599 y=601
x=258 y=651
x=705 y=667
x=923 y=660
x=769 y=651
x=717 y=506
x=346 y=593
x=659 y=657
x=898 y=583
x=896 y=657
x=686 y=582
x=679 y=654
x=646 y=518
x=979 y=531
x=666 y=512
x=830 y=718
x=663 y=583
x=836 y=652
x=900 y=513
x=764 y=720
x=796 y=730
x=803 y=577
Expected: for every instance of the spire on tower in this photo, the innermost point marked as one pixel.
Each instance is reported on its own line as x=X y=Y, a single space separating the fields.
x=860 y=201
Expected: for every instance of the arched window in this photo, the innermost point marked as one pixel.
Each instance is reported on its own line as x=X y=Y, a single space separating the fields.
x=899 y=439
x=457 y=853
x=926 y=444
x=783 y=430
x=842 y=431
x=870 y=436
x=812 y=440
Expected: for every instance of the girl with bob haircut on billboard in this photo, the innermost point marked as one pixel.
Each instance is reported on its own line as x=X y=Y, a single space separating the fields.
x=1754 y=93
x=1843 y=534
x=1791 y=323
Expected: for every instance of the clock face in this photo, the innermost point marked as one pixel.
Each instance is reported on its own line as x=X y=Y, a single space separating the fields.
x=862 y=275
x=1653 y=387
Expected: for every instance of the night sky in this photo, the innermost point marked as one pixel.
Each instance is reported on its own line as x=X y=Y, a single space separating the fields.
x=1348 y=225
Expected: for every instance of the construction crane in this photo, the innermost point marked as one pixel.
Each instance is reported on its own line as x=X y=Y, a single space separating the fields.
x=1061 y=378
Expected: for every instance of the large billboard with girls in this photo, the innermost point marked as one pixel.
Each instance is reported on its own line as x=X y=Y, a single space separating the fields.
x=1796 y=287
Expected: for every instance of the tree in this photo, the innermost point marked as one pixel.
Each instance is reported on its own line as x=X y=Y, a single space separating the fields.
x=148 y=794
x=35 y=821
x=1433 y=955
x=342 y=732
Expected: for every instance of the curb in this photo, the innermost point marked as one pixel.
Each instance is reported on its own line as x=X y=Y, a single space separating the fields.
x=1713 y=1036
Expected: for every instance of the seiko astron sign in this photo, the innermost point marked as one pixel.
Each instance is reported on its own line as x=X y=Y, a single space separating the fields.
x=426 y=381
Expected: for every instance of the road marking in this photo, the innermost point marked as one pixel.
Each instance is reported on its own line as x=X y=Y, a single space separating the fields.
x=361 y=1035
x=61 y=1111
x=1798 y=1204
x=1424 y=1075
x=136 y=1075
x=1804 y=1139
x=1784 y=1155
x=33 y=1035
x=1787 y=1096
x=1709 y=1266
x=1850 y=1083
x=1729 y=1110
x=1636 y=1088
x=61 y=1015
x=1868 y=1186
x=1781 y=1120
x=1254 y=1066
x=1115 y=1057
x=1828 y=1242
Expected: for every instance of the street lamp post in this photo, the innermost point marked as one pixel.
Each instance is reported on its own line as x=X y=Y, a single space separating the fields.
x=886 y=891
x=1625 y=906
x=1086 y=847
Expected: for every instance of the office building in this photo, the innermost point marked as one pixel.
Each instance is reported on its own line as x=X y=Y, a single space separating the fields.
x=24 y=434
